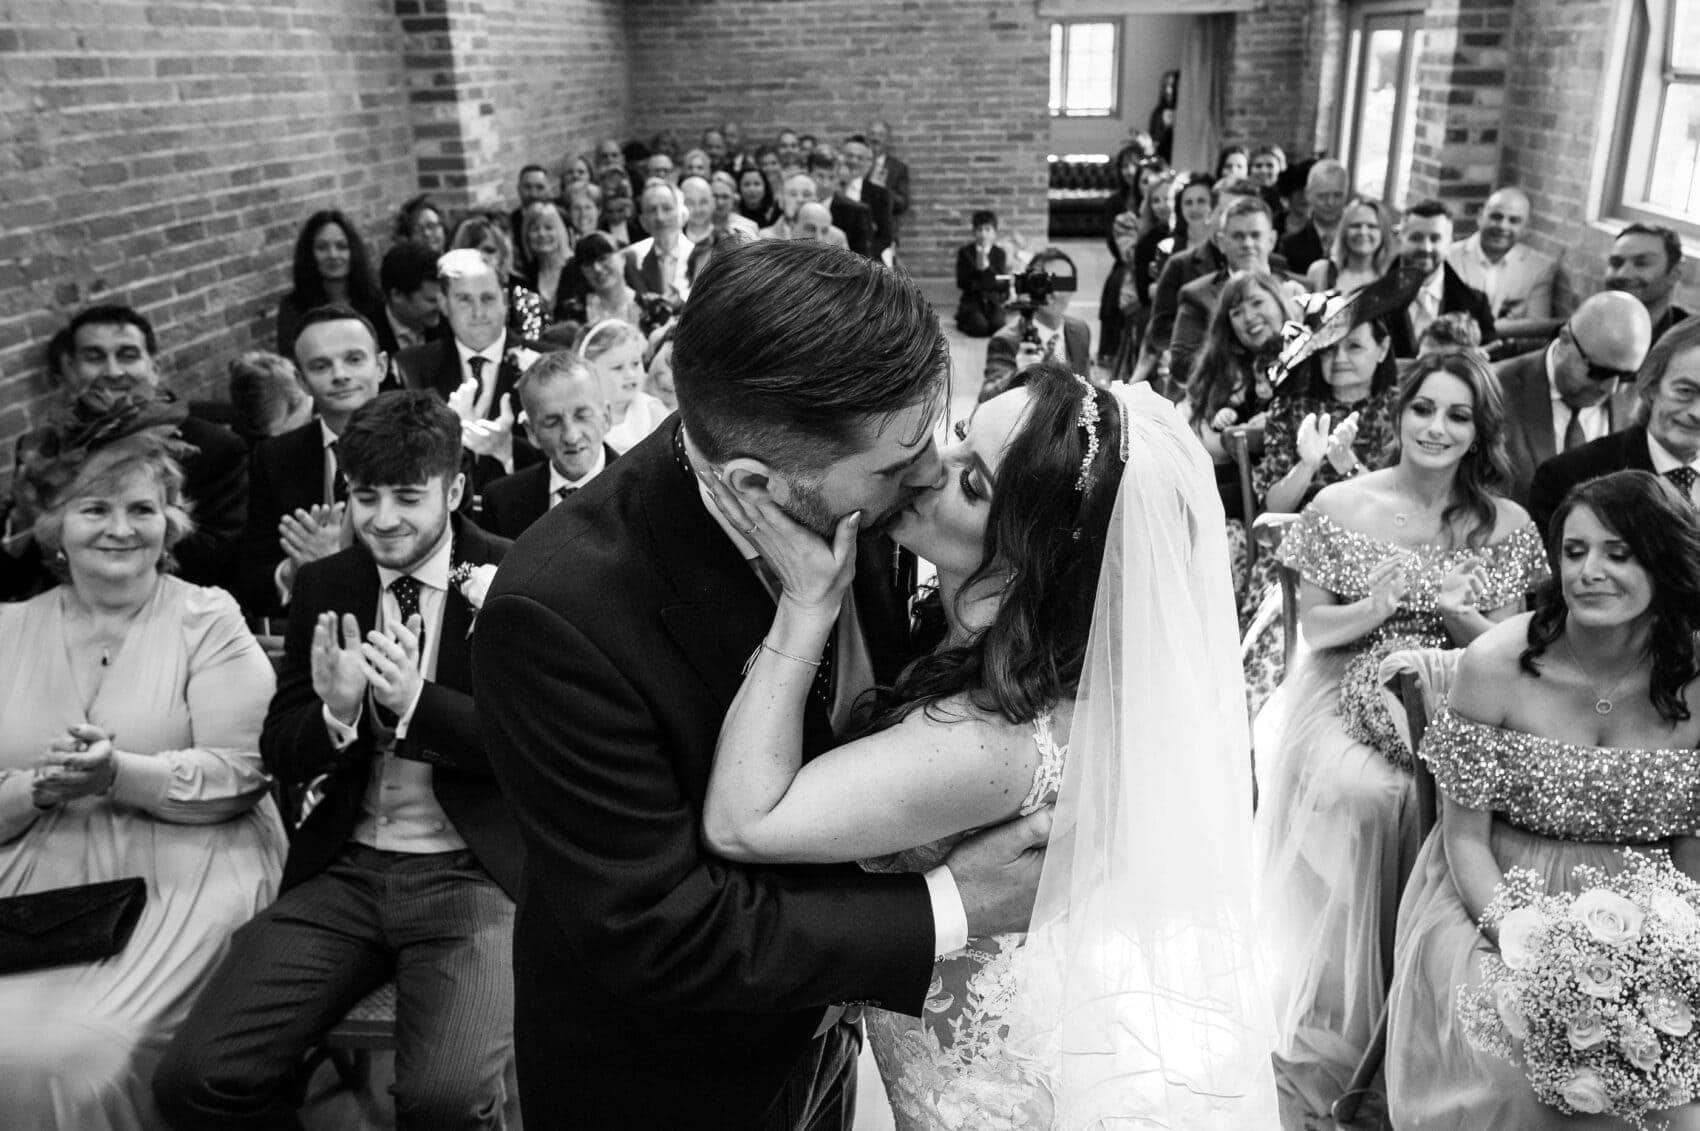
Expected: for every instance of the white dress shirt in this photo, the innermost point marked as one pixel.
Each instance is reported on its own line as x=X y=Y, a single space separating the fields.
x=1596 y=418
x=950 y=919
x=1663 y=462
x=1425 y=307
x=1518 y=286
x=853 y=190
x=559 y=482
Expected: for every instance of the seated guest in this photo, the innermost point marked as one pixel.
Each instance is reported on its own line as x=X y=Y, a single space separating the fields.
x=1425 y=234
x=413 y=299
x=1325 y=195
x=799 y=189
x=979 y=262
x=406 y=866
x=1579 y=388
x=1232 y=163
x=297 y=494
x=133 y=703
x=725 y=217
x=584 y=213
x=695 y=163
x=608 y=155
x=599 y=283
x=1245 y=235
x=1647 y=262
x=698 y=201
x=578 y=171
x=1451 y=333
x=889 y=171
x=660 y=263
x=331 y=266
x=615 y=350
x=757 y=201
x=660 y=370
x=851 y=217
x=814 y=222
x=855 y=158
x=1516 y=279
x=1361 y=251
x=489 y=239
x=266 y=395
x=774 y=166
x=546 y=237
x=534 y=188
x=1205 y=258
x=566 y=415
x=660 y=167
x=476 y=368
x=111 y=351
x=1049 y=333
x=1187 y=230
x=420 y=222
x=1665 y=441
x=1294 y=208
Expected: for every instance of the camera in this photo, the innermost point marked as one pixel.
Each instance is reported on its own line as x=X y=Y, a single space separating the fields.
x=1034 y=287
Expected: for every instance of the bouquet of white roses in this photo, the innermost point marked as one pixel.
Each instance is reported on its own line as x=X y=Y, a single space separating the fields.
x=1595 y=991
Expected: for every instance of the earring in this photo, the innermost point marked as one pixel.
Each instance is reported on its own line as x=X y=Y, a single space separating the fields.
x=59 y=558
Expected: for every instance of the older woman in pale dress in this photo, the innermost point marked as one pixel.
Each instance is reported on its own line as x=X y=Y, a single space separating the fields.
x=132 y=704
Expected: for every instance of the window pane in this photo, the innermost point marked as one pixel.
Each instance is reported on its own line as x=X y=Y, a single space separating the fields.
x=1676 y=152
x=1381 y=70
x=1685 y=35
x=1091 y=68
x=1057 y=39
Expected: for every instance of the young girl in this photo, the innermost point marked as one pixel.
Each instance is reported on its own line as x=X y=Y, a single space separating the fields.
x=615 y=349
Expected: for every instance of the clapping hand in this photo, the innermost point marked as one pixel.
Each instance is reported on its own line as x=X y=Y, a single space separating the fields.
x=338 y=667
x=82 y=764
x=315 y=532
x=1312 y=438
x=390 y=662
x=464 y=400
x=493 y=438
x=813 y=573
x=1226 y=417
x=1387 y=585
x=1339 y=450
x=1463 y=587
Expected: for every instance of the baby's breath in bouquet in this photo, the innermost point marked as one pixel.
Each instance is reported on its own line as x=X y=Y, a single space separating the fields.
x=1595 y=992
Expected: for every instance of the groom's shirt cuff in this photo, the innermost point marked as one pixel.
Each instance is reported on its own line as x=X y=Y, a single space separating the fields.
x=950 y=921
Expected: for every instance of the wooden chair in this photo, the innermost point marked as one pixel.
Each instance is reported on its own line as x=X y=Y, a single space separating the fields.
x=1414 y=683
x=1266 y=532
x=1245 y=444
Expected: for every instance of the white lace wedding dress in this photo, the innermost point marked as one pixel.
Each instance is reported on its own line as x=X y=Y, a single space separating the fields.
x=951 y=1068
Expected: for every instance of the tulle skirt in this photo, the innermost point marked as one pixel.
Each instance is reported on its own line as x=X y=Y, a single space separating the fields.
x=1337 y=832
x=1435 y=1079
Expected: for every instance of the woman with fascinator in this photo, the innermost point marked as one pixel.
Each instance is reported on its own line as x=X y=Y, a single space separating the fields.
x=1422 y=553
x=1089 y=664
x=133 y=703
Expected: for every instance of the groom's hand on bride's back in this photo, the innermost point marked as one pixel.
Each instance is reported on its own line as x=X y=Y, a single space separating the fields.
x=997 y=873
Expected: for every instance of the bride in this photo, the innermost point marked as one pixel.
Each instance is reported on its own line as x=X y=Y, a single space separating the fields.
x=1134 y=1001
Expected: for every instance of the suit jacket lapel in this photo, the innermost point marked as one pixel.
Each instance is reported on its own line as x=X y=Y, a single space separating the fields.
x=454 y=649
x=1534 y=410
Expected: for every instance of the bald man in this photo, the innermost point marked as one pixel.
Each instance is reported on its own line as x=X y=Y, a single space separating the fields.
x=1577 y=389
x=814 y=222
x=797 y=190
x=1517 y=279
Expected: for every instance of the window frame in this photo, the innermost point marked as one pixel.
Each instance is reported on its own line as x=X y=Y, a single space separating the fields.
x=1114 y=23
x=1365 y=19
x=1644 y=80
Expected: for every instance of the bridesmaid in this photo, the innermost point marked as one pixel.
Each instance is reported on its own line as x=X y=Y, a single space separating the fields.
x=1571 y=732
x=1422 y=553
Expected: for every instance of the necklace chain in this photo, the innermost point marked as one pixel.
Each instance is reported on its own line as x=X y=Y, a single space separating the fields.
x=1602 y=703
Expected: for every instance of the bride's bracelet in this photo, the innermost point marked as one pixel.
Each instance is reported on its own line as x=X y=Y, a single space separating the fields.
x=751 y=662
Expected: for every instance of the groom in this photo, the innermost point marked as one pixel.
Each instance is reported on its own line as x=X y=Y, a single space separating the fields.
x=658 y=986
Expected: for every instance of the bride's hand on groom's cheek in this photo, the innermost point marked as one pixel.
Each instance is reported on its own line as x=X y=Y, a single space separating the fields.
x=997 y=873
x=814 y=573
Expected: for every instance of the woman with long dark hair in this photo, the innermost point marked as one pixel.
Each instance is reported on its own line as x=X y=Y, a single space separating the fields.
x=1064 y=515
x=1423 y=552
x=756 y=198
x=1570 y=734
x=331 y=265
x=1230 y=382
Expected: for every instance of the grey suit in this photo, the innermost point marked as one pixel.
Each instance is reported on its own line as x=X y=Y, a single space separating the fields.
x=1529 y=436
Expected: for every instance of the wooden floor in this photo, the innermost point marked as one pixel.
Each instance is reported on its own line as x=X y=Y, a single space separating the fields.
x=331 y=1107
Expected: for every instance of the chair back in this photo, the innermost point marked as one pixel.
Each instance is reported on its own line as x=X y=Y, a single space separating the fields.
x=1245 y=444
x=1267 y=531
x=1415 y=683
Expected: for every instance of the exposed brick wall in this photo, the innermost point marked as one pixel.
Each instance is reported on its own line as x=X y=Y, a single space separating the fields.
x=1273 y=79
x=1461 y=78
x=164 y=155
x=963 y=82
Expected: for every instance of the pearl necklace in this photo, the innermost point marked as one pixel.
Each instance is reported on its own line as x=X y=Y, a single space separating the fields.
x=1602 y=703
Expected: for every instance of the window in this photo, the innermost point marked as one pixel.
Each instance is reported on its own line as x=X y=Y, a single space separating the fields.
x=1379 y=104
x=1659 y=124
x=1084 y=69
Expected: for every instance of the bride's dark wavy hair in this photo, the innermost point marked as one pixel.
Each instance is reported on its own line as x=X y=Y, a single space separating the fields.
x=1045 y=546
x=1662 y=533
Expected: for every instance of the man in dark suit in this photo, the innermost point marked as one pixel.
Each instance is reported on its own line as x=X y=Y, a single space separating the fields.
x=1245 y=234
x=856 y=158
x=659 y=987
x=1646 y=261
x=1325 y=194
x=1577 y=389
x=890 y=172
x=1049 y=333
x=854 y=219
x=413 y=300
x=112 y=351
x=664 y=262
x=405 y=861
x=297 y=496
x=567 y=414
x=476 y=368
x=980 y=312
x=535 y=187
x=1425 y=234
x=1665 y=442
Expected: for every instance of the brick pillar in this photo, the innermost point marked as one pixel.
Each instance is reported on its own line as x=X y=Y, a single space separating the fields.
x=452 y=131
x=1461 y=81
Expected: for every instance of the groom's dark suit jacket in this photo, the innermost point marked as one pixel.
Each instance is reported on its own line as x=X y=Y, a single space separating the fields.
x=443 y=732
x=657 y=986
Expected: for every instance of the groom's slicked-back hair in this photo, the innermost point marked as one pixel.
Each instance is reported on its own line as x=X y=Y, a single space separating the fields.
x=787 y=348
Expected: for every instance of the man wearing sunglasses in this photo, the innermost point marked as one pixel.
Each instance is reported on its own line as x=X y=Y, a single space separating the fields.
x=1578 y=388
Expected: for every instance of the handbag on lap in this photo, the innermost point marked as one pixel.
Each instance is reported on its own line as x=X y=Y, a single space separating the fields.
x=62 y=926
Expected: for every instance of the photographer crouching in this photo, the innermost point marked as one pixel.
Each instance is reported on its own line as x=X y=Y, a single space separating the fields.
x=1044 y=330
